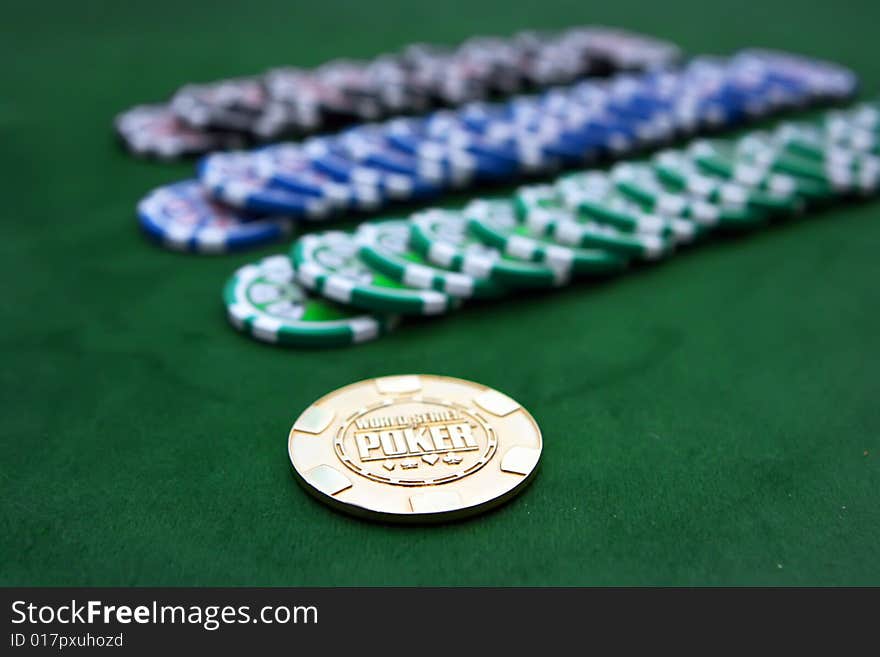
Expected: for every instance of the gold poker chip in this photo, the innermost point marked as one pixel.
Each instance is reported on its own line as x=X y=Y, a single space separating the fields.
x=414 y=448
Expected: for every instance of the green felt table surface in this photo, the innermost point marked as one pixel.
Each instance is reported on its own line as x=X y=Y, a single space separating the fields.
x=712 y=420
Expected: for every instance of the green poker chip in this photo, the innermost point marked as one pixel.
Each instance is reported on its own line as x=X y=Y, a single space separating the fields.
x=384 y=246
x=819 y=143
x=594 y=196
x=769 y=153
x=681 y=173
x=807 y=152
x=866 y=115
x=725 y=160
x=443 y=238
x=496 y=223
x=641 y=183
x=263 y=301
x=853 y=138
x=558 y=213
x=328 y=263
x=858 y=127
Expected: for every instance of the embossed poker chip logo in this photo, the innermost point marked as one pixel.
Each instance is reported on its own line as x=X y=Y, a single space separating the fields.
x=416 y=441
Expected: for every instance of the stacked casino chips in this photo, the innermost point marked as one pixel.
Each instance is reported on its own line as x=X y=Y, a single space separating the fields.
x=339 y=288
x=294 y=102
x=253 y=197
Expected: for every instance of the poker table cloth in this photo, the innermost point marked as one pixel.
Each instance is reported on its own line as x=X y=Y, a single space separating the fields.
x=711 y=420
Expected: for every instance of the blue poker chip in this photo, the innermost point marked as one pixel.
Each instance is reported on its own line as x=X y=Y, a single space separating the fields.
x=711 y=111
x=380 y=147
x=649 y=115
x=533 y=153
x=183 y=217
x=376 y=146
x=629 y=111
x=599 y=133
x=764 y=90
x=581 y=138
x=442 y=138
x=823 y=81
x=577 y=147
x=482 y=118
x=557 y=147
x=751 y=96
x=585 y=125
x=462 y=168
x=288 y=167
x=353 y=168
x=791 y=93
x=369 y=145
x=539 y=147
x=234 y=178
x=618 y=128
x=519 y=151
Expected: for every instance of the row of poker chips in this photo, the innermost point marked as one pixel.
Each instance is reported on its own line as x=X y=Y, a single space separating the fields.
x=339 y=288
x=243 y=198
x=293 y=102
